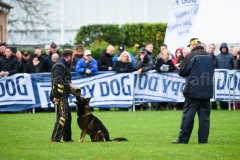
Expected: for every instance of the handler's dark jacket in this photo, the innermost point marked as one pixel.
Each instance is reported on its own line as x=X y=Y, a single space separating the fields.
x=104 y=61
x=198 y=69
x=61 y=79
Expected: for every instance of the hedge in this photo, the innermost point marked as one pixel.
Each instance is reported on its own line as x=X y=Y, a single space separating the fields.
x=131 y=35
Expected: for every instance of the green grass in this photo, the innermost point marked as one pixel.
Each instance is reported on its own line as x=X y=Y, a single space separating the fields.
x=27 y=136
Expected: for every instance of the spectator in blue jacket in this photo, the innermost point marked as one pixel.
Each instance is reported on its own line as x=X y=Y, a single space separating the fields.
x=120 y=50
x=87 y=64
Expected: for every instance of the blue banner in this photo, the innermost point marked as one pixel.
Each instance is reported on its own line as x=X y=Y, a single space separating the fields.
x=109 y=89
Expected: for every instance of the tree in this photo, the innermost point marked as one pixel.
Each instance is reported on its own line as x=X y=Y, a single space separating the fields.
x=27 y=20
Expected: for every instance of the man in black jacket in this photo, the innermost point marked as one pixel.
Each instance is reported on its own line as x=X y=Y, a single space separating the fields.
x=61 y=79
x=105 y=59
x=9 y=64
x=198 y=69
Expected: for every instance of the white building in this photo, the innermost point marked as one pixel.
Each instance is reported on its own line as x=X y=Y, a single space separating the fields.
x=67 y=16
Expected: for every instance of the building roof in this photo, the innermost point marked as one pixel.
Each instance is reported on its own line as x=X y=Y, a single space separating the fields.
x=5 y=5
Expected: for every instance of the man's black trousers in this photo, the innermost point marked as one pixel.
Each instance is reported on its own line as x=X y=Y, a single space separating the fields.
x=63 y=121
x=190 y=108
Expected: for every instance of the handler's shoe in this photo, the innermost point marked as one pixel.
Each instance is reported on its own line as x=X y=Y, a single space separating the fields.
x=178 y=142
x=53 y=141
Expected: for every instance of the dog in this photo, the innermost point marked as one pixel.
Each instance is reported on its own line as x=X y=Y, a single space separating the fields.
x=91 y=125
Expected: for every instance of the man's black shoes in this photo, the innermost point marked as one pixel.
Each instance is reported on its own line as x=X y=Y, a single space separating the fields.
x=178 y=142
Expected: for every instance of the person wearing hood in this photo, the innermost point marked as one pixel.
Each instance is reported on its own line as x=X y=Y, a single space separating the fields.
x=9 y=64
x=224 y=60
x=105 y=59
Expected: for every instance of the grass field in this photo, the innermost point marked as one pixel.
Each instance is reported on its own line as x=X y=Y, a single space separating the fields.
x=150 y=133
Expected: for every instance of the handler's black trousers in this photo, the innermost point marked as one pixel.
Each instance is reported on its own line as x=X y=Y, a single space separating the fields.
x=63 y=121
x=191 y=106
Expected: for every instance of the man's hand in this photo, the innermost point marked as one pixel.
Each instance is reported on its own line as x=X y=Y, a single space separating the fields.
x=139 y=71
x=6 y=73
x=55 y=100
x=109 y=68
x=88 y=71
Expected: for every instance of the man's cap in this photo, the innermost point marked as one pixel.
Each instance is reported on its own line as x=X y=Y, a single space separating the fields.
x=87 y=52
x=25 y=53
x=121 y=48
x=53 y=45
x=14 y=49
x=142 y=50
x=194 y=41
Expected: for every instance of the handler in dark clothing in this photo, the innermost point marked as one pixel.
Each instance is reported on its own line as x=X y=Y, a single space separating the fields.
x=198 y=69
x=61 y=79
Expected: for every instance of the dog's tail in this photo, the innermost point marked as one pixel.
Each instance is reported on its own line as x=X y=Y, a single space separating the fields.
x=119 y=139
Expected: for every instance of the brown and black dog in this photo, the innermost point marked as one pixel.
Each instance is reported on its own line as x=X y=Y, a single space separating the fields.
x=90 y=124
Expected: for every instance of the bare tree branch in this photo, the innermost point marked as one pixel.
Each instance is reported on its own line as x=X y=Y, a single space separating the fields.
x=29 y=16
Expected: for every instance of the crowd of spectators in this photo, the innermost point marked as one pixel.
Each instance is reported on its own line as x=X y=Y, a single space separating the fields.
x=12 y=61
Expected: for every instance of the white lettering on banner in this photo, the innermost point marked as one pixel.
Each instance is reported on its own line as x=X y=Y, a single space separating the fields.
x=104 y=89
x=16 y=90
x=112 y=88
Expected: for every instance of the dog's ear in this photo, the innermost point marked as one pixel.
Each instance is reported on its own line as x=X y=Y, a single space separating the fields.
x=78 y=98
x=88 y=99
